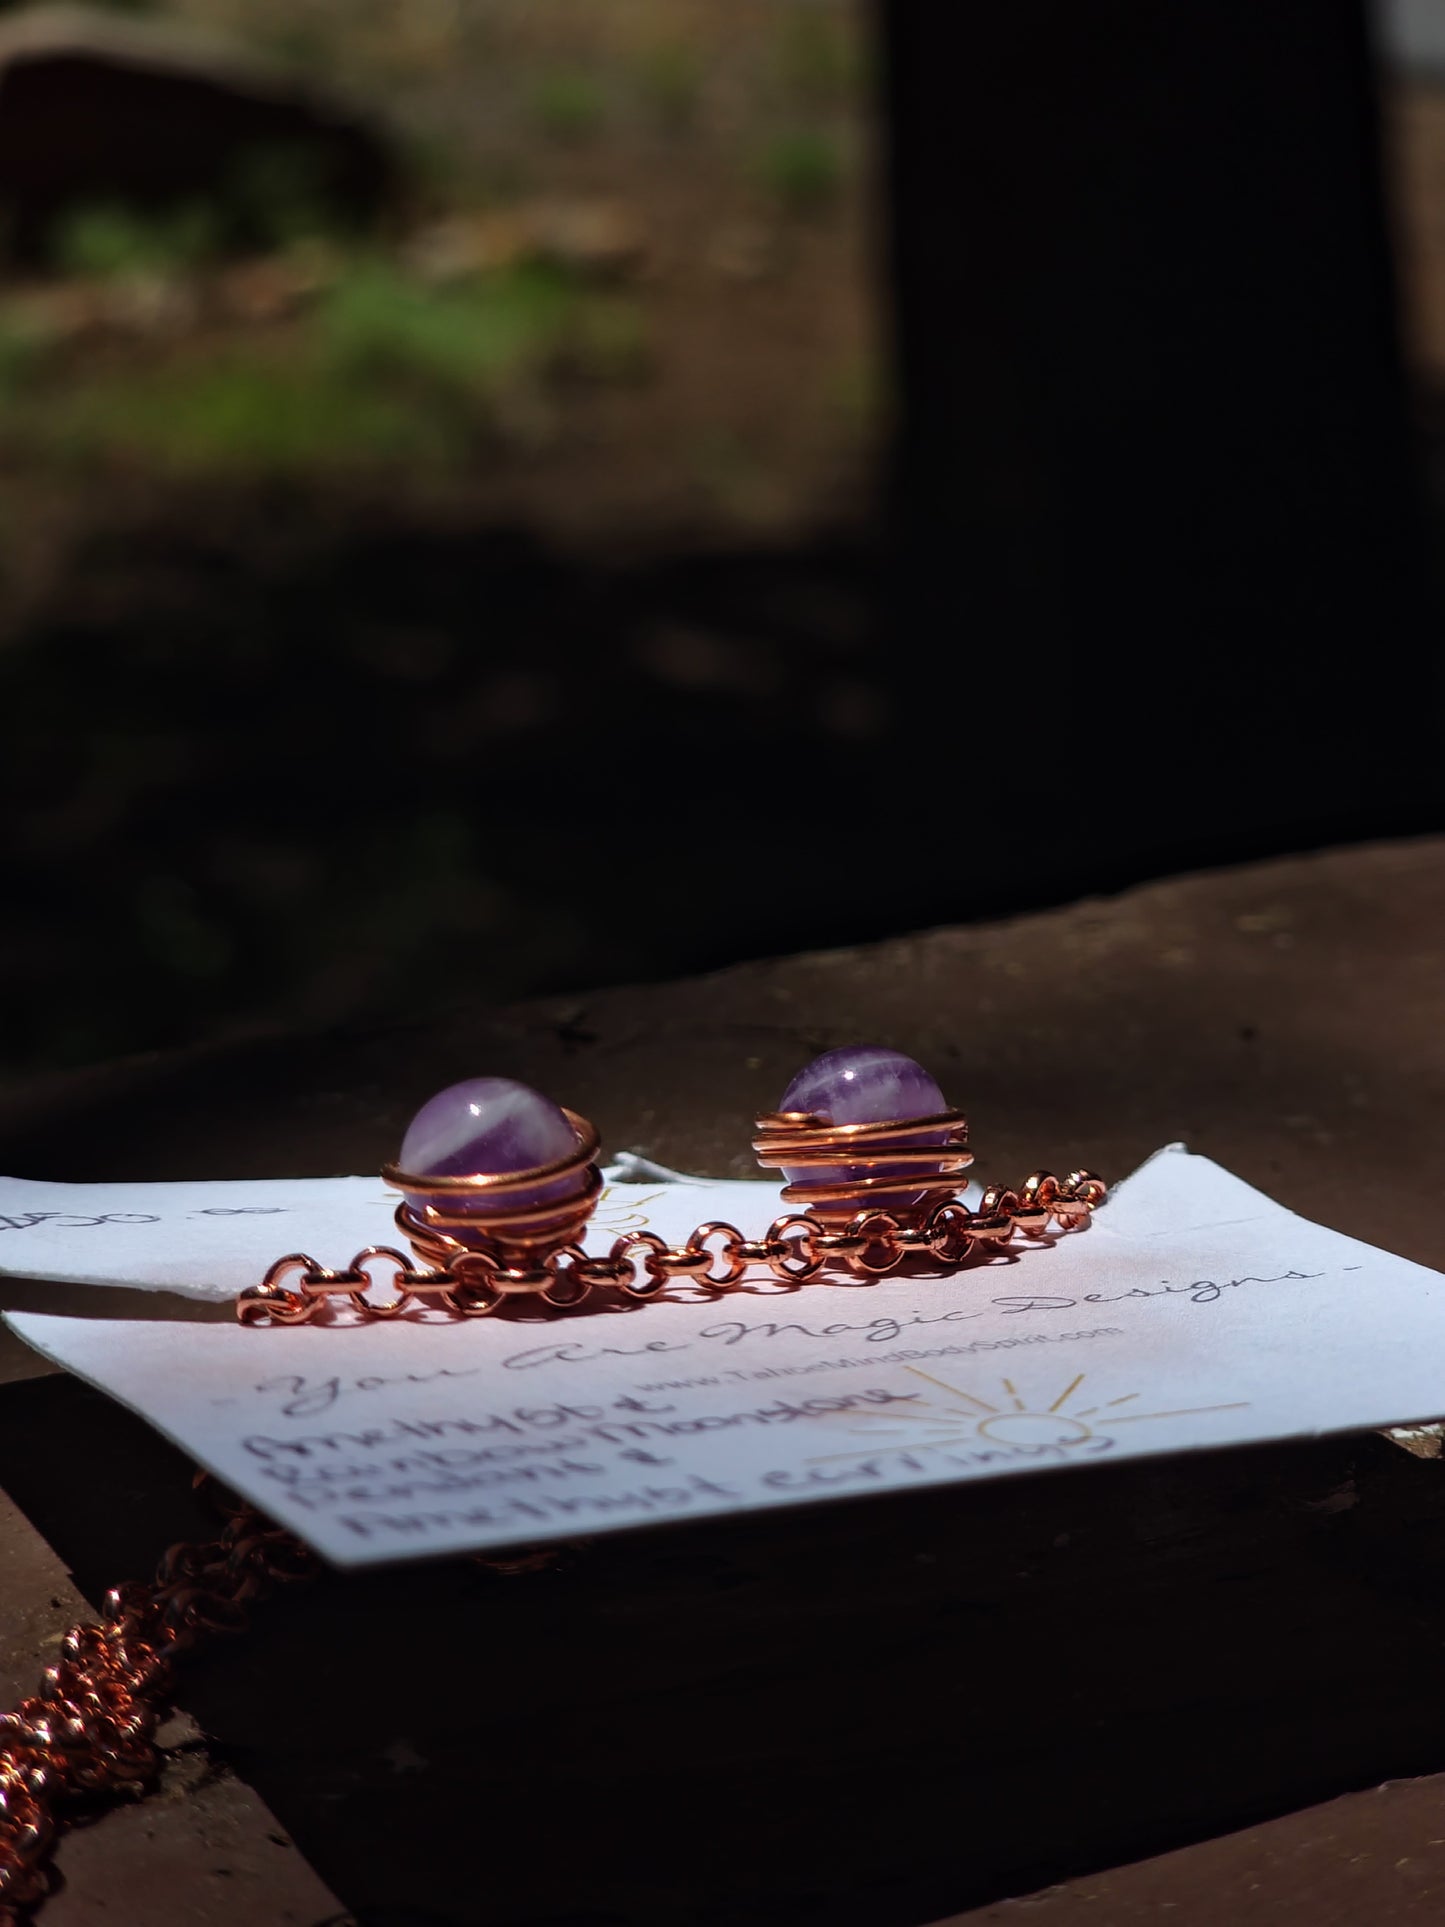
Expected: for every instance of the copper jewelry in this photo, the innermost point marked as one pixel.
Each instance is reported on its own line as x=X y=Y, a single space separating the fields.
x=872 y=1195
x=873 y=1191
x=89 y=1733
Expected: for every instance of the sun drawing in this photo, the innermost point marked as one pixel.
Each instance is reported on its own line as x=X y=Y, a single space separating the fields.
x=1007 y=1419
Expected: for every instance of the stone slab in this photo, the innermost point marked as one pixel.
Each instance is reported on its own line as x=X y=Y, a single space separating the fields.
x=1373 y=1859
x=876 y=1713
x=203 y=1849
x=1287 y=1018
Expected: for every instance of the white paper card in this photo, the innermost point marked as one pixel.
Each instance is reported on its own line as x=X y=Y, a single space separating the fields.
x=1193 y=1313
x=209 y=1241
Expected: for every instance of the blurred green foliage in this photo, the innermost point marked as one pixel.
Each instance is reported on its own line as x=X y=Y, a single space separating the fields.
x=465 y=340
x=802 y=168
x=818 y=56
x=380 y=369
x=276 y=195
x=22 y=349
x=107 y=239
x=568 y=104
x=189 y=401
x=235 y=415
x=669 y=82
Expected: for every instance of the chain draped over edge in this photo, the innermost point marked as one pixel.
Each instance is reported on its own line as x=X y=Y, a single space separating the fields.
x=90 y=1732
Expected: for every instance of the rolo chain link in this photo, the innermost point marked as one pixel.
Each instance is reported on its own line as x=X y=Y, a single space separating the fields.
x=716 y=1256
x=89 y=1733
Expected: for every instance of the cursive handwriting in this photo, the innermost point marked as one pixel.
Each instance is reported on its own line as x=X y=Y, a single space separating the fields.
x=517 y=1516
x=305 y=1397
x=525 y=1449
x=626 y=1421
x=888 y=1466
x=1199 y=1291
x=88 y=1221
x=240 y=1211
x=883 y=1330
x=72 y=1221
x=575 y=1354
x=876 y=1331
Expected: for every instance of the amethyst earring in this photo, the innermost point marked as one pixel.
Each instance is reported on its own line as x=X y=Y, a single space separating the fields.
x=862 y=1128
x=875 y=1157
x=498 y=1184
x=490 y=1165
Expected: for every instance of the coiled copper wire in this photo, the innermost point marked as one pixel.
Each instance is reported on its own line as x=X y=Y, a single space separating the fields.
x=518 y=1232
x=805 y=1141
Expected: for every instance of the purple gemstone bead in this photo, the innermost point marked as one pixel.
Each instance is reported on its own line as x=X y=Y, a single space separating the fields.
x=865 y=1084
x=488 y=1125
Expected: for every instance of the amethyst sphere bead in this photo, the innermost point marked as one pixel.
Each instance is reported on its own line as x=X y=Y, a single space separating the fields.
x=489 y=1126
x=865 y=1084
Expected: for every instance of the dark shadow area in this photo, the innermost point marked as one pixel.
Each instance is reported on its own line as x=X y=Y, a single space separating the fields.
x=1151 y=587
x=774 y=484
x=407 y=767
x=1157 y=492
x=871 y=1714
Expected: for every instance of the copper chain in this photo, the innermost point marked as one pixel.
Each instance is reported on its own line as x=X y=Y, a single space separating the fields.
x=641 y=1265
x=89 y=1733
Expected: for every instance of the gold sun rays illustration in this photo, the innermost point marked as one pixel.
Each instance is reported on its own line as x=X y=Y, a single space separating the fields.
x=1007 y=1419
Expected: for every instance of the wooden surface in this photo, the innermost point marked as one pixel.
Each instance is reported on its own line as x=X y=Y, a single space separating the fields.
x=879 y=1712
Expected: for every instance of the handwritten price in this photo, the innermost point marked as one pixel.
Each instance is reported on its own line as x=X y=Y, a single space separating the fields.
x=74 y=1221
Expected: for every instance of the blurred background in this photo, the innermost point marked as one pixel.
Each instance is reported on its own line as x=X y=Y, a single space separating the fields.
x=501 y=496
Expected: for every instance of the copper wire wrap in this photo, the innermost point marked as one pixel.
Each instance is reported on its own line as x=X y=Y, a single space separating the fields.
x=517 y=1232
x=533 y=1252
x=804 y=1141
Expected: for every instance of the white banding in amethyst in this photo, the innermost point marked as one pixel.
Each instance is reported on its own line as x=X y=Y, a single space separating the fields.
x=488 y=1126
x=865 y=1084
